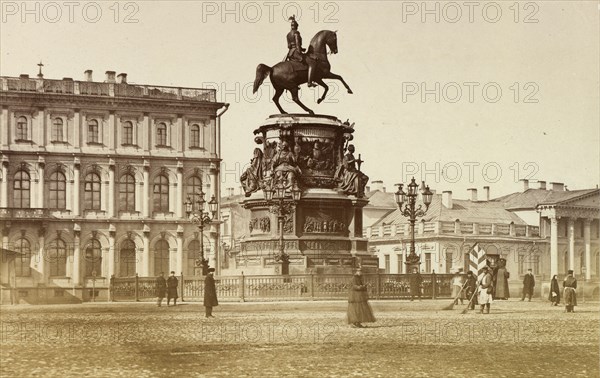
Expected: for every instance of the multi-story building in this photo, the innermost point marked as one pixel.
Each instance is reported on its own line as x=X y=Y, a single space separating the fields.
x=549 y=230
x=94 y=178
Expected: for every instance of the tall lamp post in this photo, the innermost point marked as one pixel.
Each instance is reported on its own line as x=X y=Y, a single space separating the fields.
x=409 y=210
x=280 y=204
x=200 y=218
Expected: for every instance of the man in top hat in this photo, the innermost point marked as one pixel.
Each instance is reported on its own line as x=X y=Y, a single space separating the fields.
x=570 y=294
x=161 y=288
x=528 y=285
x=295 y=50
x=210 y=293
x=172 y=283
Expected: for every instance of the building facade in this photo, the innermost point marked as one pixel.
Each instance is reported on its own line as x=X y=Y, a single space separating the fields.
x=93 y=182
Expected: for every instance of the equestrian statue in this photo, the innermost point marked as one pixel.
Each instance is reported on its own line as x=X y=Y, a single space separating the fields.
x=299 y=67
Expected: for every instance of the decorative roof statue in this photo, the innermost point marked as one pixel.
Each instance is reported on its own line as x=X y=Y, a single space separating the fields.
x=299 y=68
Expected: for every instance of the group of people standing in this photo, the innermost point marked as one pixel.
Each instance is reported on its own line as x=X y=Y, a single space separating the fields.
x=169 y=287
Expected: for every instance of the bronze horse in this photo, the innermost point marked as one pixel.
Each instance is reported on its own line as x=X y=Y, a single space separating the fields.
x=289 y=75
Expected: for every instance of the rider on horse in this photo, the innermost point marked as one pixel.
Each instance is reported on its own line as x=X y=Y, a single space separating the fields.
x=295 y=50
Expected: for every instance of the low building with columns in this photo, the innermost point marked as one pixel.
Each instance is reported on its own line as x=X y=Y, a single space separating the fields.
x=93 y=182
x=547 y=229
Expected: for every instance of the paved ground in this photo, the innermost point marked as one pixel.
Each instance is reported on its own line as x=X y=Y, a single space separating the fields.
x=298 y=339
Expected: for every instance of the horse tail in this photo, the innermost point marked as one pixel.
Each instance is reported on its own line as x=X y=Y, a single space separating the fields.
x=262 y=71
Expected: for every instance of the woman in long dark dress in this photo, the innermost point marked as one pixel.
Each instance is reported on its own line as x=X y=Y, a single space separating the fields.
x=359 y=310
x=554 y=295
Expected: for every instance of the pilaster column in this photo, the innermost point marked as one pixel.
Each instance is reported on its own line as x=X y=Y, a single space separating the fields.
x=76 y=272
x=146 y=258
x=553 y=245
x=111 y=252
x=76 y=128
x=178 y=268
x=76 y=185
x=179 y=197
x=111 y=188
x=4 y=185
x=41 y=257
x=588 y=248
x=571 y=235
x=145 y=194
x=41 y=186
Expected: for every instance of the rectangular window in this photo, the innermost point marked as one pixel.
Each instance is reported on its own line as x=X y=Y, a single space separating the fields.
x=448 y=262
x=521 y=264
x=387 y=264
x=428 y=263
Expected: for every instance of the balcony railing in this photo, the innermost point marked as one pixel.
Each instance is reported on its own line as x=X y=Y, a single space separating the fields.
x=446 y=228
x=11 y=212
x=286 y=288
x=90 y=88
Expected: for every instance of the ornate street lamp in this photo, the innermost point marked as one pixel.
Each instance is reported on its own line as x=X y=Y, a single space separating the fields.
x=412 y=212
x=279 y=203
x=200 y=218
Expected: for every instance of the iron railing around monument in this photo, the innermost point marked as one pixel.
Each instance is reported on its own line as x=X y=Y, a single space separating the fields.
x=285 y=288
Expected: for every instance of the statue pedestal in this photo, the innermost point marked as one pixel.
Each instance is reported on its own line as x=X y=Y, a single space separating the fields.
x=324 y=233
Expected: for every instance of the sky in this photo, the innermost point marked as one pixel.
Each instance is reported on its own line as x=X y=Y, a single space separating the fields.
x=459 y=94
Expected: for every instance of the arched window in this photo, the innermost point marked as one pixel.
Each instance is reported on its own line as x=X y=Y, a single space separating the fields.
x=194 y=186
x=195 y=136
x=23 y=259
x=57 y=185
x=21 y=190
x=22 y=130
x=161 y=194
x=57 y=257
x=92 y=191
x=127 y=133
x=161 y=134
x=127 y=260
x=57 y=130
x=93 y=131
x=93 y=259
x=127 y=193
x=161 y=257
x=193 y=254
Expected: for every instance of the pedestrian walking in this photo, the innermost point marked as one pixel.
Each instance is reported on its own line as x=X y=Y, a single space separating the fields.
x=172 y=283
x=458 y=292
x=471 y=289
x=486 y=289
x=210 y=293
x=415 y=284
x=359 y=310
x=554 y=295
x=528 y=285
x=570 y=287
x=501 y=281
x=161 y=288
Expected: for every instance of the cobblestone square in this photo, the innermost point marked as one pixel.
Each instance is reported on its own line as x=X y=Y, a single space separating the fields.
x=298 y=339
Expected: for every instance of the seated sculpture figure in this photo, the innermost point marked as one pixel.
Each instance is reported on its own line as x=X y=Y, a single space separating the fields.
x=252 y=178
x=284 y=167
x=351 y=180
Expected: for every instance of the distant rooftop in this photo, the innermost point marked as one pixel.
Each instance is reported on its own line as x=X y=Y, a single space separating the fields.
x=108 y=88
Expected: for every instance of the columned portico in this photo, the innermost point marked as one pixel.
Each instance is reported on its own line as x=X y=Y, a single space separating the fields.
x=571 y=236
x=588 y=247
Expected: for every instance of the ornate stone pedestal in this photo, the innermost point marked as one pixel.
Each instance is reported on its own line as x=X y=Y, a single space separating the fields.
x=324 y=233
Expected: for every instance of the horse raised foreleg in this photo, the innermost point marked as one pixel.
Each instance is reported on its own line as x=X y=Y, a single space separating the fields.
x=331 y=75
x=278 y=93
x=297 y=100
x=322 y=83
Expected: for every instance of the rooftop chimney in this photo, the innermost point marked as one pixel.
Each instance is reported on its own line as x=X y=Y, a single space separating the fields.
x=88 y=75
x=486 y=191
x=447 y=199
x=122 y=78
x=377 y=185
x=367 y=188
x=542 y=185
x=525 y=184
x=473 y=194
x=110 y=77
x=24 y=76
x=558 y=186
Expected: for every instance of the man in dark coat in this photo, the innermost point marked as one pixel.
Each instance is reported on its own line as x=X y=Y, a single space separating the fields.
x=570 y=287
x=528 y=285
x=161 y=288
x=415 y=284
x=210 y=293
x=471 y=289
x=501 y=277
x=172 y=283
